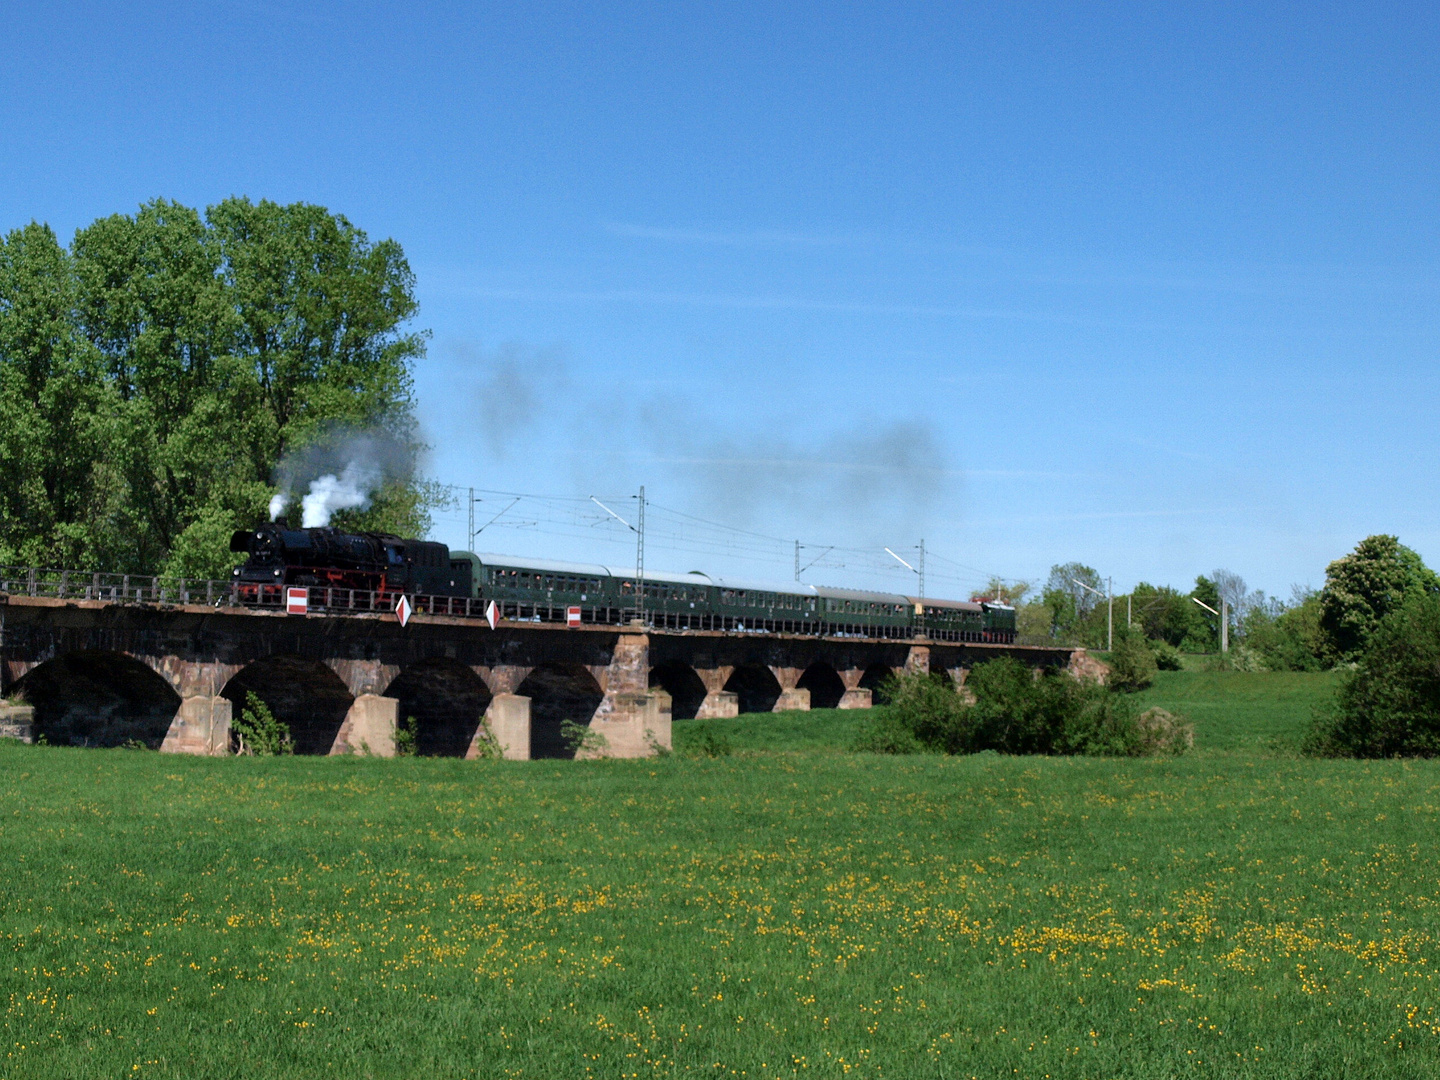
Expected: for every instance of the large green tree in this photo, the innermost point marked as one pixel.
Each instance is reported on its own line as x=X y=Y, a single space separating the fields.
x=1363 y=587
x=154 y=377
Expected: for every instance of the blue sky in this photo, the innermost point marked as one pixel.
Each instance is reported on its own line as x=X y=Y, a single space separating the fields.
x=1148 y=288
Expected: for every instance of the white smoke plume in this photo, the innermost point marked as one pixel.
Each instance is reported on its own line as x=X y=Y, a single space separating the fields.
x=342 y=472
x=349 y=491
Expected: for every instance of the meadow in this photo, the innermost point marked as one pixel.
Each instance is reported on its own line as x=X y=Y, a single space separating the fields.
x=789 y=909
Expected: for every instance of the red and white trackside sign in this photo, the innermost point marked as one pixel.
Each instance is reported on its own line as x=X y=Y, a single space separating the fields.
x=572 y=616
x=297 y=601
x=403 y=610
x=492 y=614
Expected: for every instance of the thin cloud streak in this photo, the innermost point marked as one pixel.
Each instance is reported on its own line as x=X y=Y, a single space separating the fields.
x=746 y=238
x=778 y=303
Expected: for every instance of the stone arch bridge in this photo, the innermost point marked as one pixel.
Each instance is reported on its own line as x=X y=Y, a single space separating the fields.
x=173 y=676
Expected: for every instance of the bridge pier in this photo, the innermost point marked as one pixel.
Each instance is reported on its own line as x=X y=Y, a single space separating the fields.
x=719 y=703
x=855 y=696
x=368 y=727
x=633 y=718
x=508 y=720
x=201 y=726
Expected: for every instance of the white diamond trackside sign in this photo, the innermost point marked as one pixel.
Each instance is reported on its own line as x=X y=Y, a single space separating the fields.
x=403 y=610
x=492 y=614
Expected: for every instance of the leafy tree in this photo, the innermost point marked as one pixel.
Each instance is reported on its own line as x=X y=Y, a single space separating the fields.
x=1363 y=587
x=1204 y=632
x=1288 y=637
x=54 y=441
x=1390 y=706
x=155 y=375
x=258 y=732
x=1069 y=602
x=1132 y=661
x=1165 y=614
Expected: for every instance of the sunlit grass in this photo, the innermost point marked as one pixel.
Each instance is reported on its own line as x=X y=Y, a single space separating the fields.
x=1232 y=913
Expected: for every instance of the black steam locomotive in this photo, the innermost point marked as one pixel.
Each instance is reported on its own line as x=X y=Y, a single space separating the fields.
x=375 y=562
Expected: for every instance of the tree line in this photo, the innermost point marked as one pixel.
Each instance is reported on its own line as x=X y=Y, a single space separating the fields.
x=1313 y=630
x=156 y=371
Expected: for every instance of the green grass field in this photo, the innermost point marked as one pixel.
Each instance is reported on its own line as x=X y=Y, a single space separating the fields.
x=792 y=909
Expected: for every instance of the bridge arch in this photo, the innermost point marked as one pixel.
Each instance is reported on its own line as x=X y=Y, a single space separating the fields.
x=825 y=685
x=306 y=695
x=874 y=680
x=683 y=684
x=99 y=698
x=558 y=692
x=755 y=687
x=448 y=701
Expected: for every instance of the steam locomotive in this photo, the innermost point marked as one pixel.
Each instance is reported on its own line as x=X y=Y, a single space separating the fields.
x=372 y=562
x=544 y=590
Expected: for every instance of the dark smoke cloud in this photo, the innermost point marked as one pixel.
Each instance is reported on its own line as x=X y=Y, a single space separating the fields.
x=874 y=478
x=892 y=475
x=512 y=388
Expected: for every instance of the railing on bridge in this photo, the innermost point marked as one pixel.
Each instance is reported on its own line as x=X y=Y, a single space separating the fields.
x=150 y=590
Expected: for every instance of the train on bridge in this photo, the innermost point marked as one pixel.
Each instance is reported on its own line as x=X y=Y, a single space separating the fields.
x=369 y=571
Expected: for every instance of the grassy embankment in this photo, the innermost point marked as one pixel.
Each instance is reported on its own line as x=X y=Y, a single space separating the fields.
x=790 y=909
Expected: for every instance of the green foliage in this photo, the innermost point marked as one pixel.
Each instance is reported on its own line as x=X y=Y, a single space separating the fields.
x=1165 y=614
x=707 y=740
x=1070 y=603
x=407 y=737
x=258 y=733
x=487 y=747
x=1167 y=656
x=1390 y=705
x=582 y=738
x=1132 y=661
x=1239 y=658
x=1013 y=711
x=153 y=375
x=886 y=733
x=1034 y=624
x=1361 y=588
x=1288 y=638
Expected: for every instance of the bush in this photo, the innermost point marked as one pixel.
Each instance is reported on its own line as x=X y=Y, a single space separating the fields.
x=1167 y=656
x=887 y=733
x=1290 y=640
x=582 y=739
x=1239 y=658
x=1014 y=711
x=709 y=741
x=407 y=737
x=1132 y=662
x=1165 y=733
x=257 y=731
x=1390 y=705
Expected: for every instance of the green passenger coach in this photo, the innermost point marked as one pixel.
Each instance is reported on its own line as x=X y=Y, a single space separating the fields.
x=545 y=590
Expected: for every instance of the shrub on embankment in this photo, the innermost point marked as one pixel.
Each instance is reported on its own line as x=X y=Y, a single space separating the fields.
x=1389 y=706
x=1011 y=710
